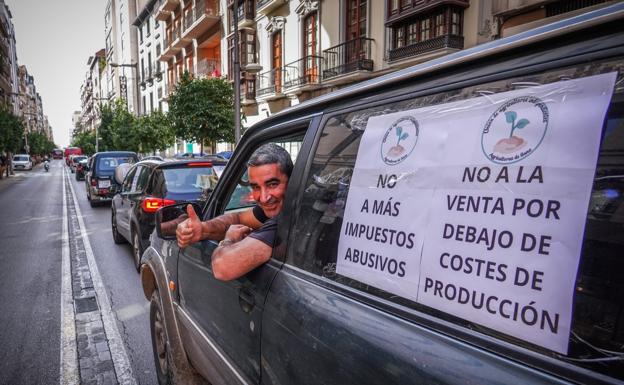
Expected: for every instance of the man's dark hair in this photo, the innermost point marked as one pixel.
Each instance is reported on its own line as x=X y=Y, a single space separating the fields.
x=272 y=153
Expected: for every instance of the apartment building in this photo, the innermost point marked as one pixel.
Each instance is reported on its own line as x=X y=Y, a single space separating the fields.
x=8 y=59
x=192 y=40
x=29 y=104
x=122 y=70
x=192 y=43
x=293 y=50
x=93 y=92
x=151 y=38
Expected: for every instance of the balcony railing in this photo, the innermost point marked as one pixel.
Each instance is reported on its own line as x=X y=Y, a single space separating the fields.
x=188 y=18
x=209 y=67
x=269 y=82
x=303 y=72
x=439 y=42
x=353 y=55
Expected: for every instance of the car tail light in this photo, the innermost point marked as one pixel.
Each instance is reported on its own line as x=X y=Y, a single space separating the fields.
x=199 y=164
x=151 y=205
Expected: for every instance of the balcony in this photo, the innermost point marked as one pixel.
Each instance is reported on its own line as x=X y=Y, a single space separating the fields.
x=208 y=68
x=302 y=74
x=265 y=7
x=351 y=57
x=269 y=84
x=246 y=13
x=427 y=46
x=200 y=18
x=164 y=9
x=179 y=41
x=172 y=43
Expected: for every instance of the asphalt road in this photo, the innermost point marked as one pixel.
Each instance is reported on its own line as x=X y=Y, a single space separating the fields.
x=31 y=208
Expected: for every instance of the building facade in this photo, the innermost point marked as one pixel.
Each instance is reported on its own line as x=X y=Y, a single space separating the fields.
x=9 y=86
x=293 y=50
x=93 y=92
x=122 y=68
x=151 y=38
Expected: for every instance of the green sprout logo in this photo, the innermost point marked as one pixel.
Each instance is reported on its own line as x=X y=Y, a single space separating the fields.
x=514 y=142
x=400 y=134
x=395 y=149
x=511 y=116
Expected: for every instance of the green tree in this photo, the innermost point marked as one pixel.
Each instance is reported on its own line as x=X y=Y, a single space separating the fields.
x=105 y=132
x=11 y=130
x=86 y=141
x=202 y=110
x=154 y=132
x=122 y=126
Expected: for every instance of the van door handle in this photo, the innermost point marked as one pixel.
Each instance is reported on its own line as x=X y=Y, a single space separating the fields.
x=246 y=300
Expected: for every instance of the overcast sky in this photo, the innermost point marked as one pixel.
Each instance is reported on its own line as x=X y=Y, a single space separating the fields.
x=54 y=41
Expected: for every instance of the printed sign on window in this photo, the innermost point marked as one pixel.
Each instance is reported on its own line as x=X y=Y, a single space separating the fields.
x=477 y=207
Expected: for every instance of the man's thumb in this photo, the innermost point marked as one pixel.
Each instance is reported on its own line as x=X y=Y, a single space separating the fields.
x=191 y=213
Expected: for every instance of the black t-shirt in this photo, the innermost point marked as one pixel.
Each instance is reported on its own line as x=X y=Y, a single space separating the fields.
x=266 y=233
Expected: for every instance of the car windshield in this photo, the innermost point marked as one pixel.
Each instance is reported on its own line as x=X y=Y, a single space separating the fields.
x=77 y=159
x=20 y=158
x=109 y=163
x=190 y=179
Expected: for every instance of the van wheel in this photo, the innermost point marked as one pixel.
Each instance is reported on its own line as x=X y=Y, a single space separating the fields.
x=137 y=249
x=160 y=343
x=117 y=238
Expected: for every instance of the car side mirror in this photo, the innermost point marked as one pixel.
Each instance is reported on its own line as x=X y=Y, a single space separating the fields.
x=168 y=218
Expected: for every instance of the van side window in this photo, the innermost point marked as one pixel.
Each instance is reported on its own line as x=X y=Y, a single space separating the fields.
x=241 y=196
x=596 y=337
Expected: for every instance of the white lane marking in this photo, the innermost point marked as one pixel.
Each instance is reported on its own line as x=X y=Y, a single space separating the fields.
x=69 y=354
x=123 y=369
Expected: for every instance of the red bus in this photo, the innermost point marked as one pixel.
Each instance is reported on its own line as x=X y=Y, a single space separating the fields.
x=71 y=151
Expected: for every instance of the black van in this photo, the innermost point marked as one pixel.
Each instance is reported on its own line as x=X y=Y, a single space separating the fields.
x=100 y=183
x=459 y=221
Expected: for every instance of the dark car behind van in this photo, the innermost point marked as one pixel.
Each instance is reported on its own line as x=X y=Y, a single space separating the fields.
x=152 y=184
x=460 y=221
x=99 y=181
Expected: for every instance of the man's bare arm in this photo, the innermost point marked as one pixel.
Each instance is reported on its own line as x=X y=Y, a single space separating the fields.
x=216 y=228
x=237 y=259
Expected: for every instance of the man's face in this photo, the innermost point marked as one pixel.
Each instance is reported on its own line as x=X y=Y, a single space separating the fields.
x=268 y=186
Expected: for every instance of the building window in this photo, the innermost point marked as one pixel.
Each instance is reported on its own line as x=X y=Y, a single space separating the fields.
x=439 y=25
x=309 y=35
x=456 y=28
x=356 y=19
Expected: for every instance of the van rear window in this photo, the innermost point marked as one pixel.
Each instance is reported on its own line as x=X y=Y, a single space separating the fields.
x=109 y=163
x=504 y=246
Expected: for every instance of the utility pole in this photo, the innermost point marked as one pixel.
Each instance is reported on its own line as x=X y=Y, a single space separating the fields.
x=237 y=128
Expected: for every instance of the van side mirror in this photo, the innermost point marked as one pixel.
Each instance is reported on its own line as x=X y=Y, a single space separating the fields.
x=168 y=218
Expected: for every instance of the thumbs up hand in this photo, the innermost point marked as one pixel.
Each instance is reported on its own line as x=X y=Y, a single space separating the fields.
x=190 y=230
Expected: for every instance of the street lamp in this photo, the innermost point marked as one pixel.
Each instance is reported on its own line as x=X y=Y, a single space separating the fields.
x=136 y=81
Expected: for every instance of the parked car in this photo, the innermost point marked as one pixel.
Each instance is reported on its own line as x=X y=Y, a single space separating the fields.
x=99 y=181
x=150 y=185
x=22 y=162
x=73 y=161
x=81 y=168
x=434 y=230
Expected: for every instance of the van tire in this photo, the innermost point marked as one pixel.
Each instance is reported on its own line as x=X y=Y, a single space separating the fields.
x=160 y=341
x=117 y=238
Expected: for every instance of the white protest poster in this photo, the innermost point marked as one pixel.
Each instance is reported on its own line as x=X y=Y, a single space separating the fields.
x=478 y=207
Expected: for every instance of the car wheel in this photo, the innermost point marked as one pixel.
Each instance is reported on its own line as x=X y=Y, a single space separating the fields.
x=159 y=341
x=137 y=249
x=117 y=238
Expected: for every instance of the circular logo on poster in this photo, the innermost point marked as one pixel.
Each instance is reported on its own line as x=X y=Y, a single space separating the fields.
x=399 y=140
x=515 y=130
